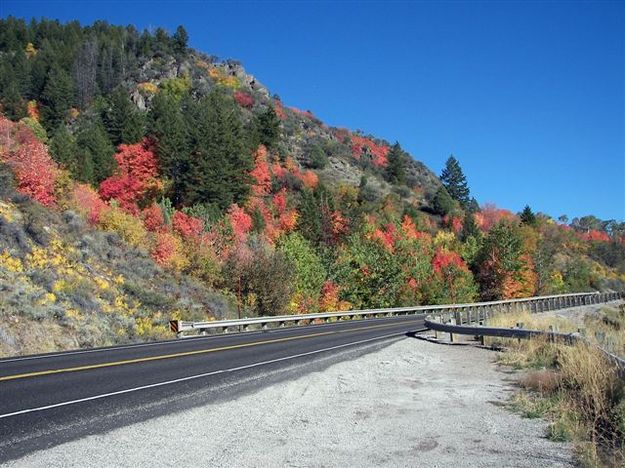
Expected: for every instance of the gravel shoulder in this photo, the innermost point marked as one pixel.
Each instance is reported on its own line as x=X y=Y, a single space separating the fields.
x=411 y=403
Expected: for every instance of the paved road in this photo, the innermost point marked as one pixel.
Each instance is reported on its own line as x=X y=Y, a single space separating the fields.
x=49 y=399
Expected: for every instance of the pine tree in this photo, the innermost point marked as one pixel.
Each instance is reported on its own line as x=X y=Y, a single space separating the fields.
x=125 y=123
x=13 y=105
x=528 y=217
x=64 y=150
x=56 y=98
x=469 y=227
x=454 y=181
x=95 y=158
x=396 y=167
x=442 y=203
x=168 y=125
x=180 y=40
x=267 y=128
x=220 y=162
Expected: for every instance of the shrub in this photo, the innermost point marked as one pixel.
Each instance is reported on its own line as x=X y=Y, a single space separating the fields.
x=34 y=169
x=187 y=226
x=261 y=275
x=244 y=99
x=129 y=228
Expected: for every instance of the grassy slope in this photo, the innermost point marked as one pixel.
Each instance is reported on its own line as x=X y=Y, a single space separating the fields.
x=65 y=285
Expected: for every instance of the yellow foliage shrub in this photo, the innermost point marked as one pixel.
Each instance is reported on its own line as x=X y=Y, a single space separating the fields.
x=147 y=88
x=128 y=227
x=10 y=263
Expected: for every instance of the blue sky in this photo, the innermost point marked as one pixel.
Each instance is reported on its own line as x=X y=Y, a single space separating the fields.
x=529 y=96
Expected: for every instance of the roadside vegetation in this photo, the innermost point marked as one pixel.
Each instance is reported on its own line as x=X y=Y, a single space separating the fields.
x=576 y=388
x=186 y=164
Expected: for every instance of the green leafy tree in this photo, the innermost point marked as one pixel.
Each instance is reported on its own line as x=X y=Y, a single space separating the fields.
x=318 y=159
x=36 y=128
x=309 y=273
x=499 y=259
x=371 y=276
x=454 y=181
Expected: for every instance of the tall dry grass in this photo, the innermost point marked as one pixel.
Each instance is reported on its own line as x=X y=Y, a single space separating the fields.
x=575 y=387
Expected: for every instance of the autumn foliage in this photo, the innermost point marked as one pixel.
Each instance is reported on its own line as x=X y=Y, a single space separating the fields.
x=135 y=178
x=362 y=145
x=244 y=99
x=34 y=169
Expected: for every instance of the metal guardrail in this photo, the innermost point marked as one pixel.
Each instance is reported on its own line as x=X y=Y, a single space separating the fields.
x=522 y=333
x=470 y=312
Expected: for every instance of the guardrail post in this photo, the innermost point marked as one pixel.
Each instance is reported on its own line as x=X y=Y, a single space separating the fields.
x=451 y=335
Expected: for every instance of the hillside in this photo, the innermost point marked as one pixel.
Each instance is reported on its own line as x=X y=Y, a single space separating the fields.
x=143 y=180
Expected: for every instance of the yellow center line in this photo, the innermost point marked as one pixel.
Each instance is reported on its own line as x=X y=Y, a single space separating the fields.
x=186 y=353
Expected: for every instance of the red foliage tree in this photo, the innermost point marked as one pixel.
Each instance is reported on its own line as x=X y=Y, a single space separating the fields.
x=34 y=169
x=135 y=177
x=244 y=99
x=279 y=110
x=490 y=215
x=153 y=219
x=164 y=248
x=309 y=179
x=379 y=153
x=595 y=235
x=279 y=201
x=444 y=258
x=240 y=221
x=261 y=172
x=386 y=236
x=187 y=226
x=89 y=202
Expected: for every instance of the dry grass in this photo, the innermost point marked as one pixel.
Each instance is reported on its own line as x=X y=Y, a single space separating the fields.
x=575 y=387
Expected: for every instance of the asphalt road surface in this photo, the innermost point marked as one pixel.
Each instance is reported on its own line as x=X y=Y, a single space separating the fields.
x=47 y=400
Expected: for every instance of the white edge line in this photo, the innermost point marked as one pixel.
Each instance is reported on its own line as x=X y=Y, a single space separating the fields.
x=165 y=342
x=193 y=377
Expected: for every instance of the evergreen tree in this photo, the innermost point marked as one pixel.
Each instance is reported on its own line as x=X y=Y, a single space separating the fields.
x=528 y=217
x=442 y=203
x=220 y=162
x=168 y=125
x=469 y=227
x=396 y=167
x=64 y=150
x=13 y=105
x=95 y=157
x=317 y=158
x=56 y=98
x=180 y=40
x=267 y=128
x=454 y=181
x=20 y=69
x=125 y=123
